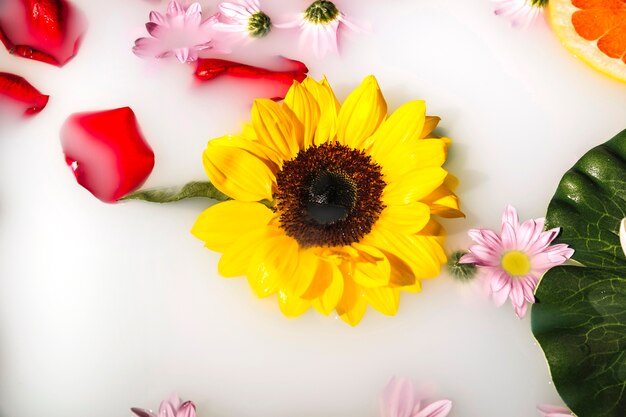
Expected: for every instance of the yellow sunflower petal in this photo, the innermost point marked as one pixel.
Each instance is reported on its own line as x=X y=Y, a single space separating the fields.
x=352 y=305
x=430 y=124
x=292 y=305
x=276 y=128
x=371 y=268
x=222 y=224
x=269 y=156
x=308 y=265
x=402 y=276
x=361 y=114
x=406 y=218
x=238 y=174
x=272 y=264
x=385 y=299
x=236 y=258
x=420 y=253
x=304 y=106
x=326 y=289
x=329 y=105
x=411 y=155
x=404 y=125
x=443 y=202
x=413 y=186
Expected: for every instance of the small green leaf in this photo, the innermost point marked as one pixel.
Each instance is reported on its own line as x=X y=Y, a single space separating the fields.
x=580 y=315
x=196 y=189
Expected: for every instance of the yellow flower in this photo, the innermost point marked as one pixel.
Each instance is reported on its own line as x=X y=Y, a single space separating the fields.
x=331 y=204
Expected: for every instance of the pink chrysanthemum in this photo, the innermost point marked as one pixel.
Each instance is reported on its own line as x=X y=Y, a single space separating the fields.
x=244 y=19
x=172 y=407
x=513 y=263
x=181 y=32
x=521 y=13
x=547 y=410
x=319 y=25
x=399 y=400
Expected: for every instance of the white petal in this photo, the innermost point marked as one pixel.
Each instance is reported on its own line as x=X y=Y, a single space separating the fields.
x=622 y=235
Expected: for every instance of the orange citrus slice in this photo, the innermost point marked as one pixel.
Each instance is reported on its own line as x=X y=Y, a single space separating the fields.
x=594 y=30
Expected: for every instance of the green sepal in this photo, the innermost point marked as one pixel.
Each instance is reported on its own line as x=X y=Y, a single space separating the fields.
x=195 y=189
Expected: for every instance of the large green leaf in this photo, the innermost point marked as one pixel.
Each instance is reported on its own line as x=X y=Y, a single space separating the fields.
x=580 y=315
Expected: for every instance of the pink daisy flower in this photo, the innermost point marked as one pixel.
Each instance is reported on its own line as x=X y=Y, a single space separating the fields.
x=399 y=400
x=513 y=263
x=521 y=13
x=243 y=18
x=319 y=25
x=172 y=407
x=547 y=410
x=181 y=32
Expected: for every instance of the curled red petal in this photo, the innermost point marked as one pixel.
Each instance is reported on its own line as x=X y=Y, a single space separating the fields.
x=21 y=91
x=211 y=68
x=49 y=31
x=107 y=152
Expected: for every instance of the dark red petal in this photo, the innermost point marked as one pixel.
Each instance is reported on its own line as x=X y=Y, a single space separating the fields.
x=210 y=68
x=18 y=89
x=44 y=30
x=107 y=152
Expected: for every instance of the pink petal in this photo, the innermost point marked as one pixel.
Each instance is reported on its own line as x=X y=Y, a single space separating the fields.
x=544 y=240
x=156 y=17
x=500 y=297
x=437 y=409
x=147 y=47
x=485 y=256
x=468 y=258
x=509 y=237
x=520 y=311
x=182 y=54
x=142 y=413
x=397 y=399
x=485 y=237
x=528 y=287
x=528 y=232
x=193 y=15
x=498 y=280
x=175 y=9
x=234 y=11
x=510 y=216
x=188 y=409
x=517 y=293
x=548 y=410
x=154 y=29
x=551 y=257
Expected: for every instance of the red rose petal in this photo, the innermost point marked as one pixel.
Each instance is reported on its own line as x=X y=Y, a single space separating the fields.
x=107 y=152
x=210 y=68
x=44 y=30
x=19 y=90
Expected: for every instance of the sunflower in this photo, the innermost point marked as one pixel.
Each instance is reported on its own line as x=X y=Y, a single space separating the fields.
x=331 y=205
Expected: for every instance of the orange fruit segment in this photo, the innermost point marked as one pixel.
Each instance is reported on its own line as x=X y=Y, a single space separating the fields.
x=594 y=30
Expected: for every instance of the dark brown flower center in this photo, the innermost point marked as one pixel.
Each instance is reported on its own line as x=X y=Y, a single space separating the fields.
x=329 y=195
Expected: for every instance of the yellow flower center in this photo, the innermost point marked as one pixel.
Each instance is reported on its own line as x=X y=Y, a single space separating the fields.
x=515 y=263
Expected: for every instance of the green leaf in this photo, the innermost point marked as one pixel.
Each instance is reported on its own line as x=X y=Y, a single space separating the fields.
x=580 y=315
x=196 y=189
